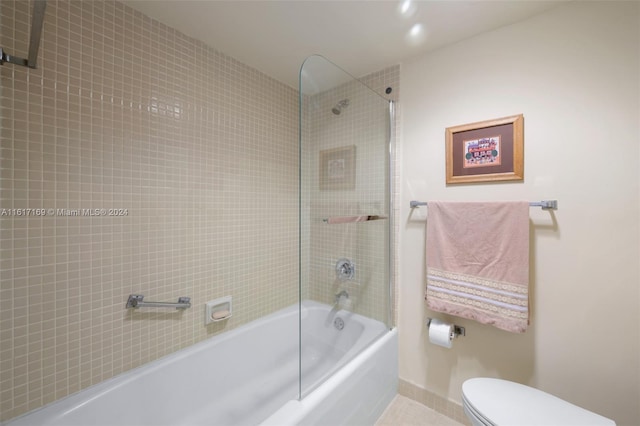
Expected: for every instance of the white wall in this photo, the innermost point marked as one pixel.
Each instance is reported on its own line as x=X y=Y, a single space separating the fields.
x=574 y=74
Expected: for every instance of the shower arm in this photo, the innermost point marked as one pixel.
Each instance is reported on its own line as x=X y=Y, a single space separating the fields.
x=34 y=44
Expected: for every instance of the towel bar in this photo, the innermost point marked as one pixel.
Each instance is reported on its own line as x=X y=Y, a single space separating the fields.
x=545 y=204
x=352 y=219
x=137 y=301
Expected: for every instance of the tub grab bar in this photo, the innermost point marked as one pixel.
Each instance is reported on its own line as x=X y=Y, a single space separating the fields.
x=137 y=301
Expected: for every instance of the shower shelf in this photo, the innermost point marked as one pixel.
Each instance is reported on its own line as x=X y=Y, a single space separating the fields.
x=352 y=219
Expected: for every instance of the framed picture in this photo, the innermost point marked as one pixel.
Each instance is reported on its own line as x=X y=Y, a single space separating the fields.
x=338 y=168
x=487 y=151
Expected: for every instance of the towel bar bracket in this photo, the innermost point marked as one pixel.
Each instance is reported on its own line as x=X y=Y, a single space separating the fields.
x=4 y=57
x=546 y=204
x=37 y=19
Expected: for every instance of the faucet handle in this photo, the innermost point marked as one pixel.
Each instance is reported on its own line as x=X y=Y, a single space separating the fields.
x=345 y=269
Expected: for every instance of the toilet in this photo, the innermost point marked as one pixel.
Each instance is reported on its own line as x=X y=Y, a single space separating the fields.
x=495 y=402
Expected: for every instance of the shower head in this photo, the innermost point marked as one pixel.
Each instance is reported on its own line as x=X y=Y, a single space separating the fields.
x=339 y=106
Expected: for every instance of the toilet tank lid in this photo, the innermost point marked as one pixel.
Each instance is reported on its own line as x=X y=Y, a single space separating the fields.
x=509 y=403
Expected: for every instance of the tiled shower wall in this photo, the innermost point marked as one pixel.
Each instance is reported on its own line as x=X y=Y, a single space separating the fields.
x=192 y=155
x=364 y=125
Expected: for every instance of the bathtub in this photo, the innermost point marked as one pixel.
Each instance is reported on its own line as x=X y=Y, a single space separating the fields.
x=250 y=376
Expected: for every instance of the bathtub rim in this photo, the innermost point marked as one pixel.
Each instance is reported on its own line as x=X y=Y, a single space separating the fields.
x=72 y=401
x=295 y=411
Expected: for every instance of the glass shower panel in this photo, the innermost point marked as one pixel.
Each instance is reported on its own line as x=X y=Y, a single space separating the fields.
x=344 y=219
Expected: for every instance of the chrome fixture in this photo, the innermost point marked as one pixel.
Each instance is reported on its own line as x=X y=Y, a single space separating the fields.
x=352 y=219
x=345 y=269
x=137 y=301
x=341 y=301
x=34 y=43
x=545 y=204
x=342 y=294
x=340 y=106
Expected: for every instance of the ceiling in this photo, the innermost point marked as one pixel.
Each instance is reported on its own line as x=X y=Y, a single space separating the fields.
x=360 y=36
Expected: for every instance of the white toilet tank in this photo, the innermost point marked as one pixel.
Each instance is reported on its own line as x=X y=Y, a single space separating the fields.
x=504 y=403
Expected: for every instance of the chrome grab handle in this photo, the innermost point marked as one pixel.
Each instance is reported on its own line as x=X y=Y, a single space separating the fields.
x=137 y=301
x=352 y=219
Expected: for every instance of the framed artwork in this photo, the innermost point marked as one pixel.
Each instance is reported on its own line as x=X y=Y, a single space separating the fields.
x=486 y=151
x=338 y=168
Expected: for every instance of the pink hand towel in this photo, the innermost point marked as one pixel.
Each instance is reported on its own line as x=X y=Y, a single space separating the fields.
x=478 y=262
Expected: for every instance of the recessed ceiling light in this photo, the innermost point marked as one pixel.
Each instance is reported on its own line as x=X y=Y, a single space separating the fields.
x=417 y=34
x=406 y=8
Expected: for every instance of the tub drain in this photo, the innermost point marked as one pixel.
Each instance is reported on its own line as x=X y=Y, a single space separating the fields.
x=338 y=323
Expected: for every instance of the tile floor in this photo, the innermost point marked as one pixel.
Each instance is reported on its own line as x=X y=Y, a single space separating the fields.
x=406 y=412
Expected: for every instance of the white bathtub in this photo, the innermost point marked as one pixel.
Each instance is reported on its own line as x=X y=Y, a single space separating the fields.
x=249 y=376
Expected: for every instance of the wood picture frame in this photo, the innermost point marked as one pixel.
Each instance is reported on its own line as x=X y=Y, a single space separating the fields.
x=338 y=168
x=486 y=151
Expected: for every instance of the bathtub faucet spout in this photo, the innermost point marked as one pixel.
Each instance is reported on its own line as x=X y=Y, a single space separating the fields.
x=340 y=296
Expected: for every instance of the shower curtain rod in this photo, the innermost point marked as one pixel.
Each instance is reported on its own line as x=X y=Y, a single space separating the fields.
x=34 y=44
x=545 y=204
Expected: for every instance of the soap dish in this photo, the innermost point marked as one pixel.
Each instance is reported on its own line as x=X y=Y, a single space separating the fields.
x=218 y=310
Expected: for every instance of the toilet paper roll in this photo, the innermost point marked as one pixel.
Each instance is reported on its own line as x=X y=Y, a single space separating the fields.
x=440 y=333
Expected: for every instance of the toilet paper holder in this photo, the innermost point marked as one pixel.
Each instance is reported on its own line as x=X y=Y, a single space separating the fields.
x=457 y=330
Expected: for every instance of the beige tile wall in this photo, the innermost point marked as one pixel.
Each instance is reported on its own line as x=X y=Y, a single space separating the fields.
x=198 y=149
x=362 y=124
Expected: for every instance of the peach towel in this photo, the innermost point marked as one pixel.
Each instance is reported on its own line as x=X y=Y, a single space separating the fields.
x=478 y=262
